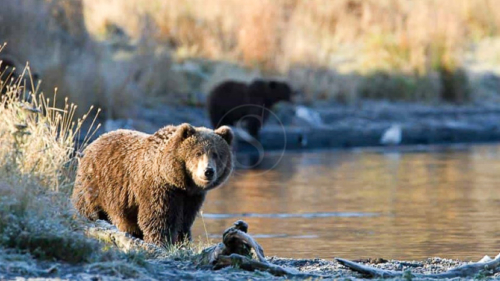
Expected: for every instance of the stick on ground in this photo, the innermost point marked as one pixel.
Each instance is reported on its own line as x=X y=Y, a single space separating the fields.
x=468 y=270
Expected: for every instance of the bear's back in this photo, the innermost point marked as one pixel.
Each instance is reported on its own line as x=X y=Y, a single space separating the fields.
x=166 y=133
x=120 y=136
x=229 y=88
x=227 y=95
x=113 y=146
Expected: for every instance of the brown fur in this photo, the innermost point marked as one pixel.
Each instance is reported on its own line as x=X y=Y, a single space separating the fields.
x=149 y=185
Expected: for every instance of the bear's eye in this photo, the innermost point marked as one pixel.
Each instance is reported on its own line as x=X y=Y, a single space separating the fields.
x=198 y=154
x=215 y=155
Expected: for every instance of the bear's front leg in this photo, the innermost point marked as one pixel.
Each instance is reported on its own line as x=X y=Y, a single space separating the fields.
x=192 y=205
x=160 y=218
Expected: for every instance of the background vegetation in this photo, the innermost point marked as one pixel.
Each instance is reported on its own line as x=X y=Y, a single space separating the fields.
x=124 y=55
x=37 y=141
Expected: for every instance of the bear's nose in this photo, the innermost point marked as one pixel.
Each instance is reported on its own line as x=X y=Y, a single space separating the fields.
x=209 y=173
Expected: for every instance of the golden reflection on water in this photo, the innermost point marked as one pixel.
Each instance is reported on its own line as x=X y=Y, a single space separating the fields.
x=434 y=202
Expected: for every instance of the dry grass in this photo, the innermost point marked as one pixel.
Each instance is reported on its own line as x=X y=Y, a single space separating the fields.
x=38 y=138
x=115 y=73
x=417 y=36
x=416 y=39
x=117 y=54
x=37 y=144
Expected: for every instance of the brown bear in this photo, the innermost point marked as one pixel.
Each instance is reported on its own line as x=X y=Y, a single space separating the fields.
x=231 y=102
x=152 y=186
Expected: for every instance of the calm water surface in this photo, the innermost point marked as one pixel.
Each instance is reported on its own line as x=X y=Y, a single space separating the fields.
x=410 y=203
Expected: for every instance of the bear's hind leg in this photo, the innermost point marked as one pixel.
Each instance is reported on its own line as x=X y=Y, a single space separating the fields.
x=125 y=224
x=103 y=216
x=85 y=203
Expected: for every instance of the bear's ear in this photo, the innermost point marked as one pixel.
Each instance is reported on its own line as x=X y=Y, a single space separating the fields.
x=226 y=133
x=185 y=130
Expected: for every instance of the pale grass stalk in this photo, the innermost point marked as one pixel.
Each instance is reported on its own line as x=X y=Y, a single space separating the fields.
x=37 y=136
x=204 y=227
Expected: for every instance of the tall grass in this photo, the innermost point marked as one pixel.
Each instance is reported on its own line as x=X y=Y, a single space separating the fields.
x=37 y=144
x=114 y=73
x=38 y=138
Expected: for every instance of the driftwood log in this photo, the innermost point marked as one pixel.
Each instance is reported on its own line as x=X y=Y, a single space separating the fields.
x=239 y=249
x=485 y=265
x=235 y=240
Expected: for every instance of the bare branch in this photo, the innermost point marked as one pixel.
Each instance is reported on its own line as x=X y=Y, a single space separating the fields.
x=468 y=270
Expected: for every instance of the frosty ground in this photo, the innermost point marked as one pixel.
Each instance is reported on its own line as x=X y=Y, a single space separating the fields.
x=13 y=266
x=182 y=264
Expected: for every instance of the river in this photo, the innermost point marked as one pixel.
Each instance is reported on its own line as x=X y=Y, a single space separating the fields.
x=395 y=203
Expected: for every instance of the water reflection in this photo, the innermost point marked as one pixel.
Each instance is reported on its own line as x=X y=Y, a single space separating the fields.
x=287 y=216
x=412 y=203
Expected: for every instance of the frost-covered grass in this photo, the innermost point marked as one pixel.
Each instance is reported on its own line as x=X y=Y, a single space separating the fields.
x=37 y=143
x=38 y=139
x=35 y=221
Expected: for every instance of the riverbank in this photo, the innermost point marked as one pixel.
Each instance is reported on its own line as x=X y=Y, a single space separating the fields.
x=365 y=124
x=141 y=261
x=345 y=126
x=13 y=266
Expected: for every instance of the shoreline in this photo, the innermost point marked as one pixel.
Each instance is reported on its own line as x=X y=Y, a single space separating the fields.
x=365 y=124
x=149 y=262
x=343 y=126
x=177 y=268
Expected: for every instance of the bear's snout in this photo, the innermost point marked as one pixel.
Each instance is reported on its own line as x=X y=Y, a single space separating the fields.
x=209 y=173
x=205 y=171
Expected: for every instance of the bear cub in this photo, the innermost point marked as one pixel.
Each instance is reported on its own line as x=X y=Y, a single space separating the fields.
x=152 y=186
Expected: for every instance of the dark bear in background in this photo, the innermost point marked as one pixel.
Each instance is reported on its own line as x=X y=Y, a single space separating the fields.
x=231 y=102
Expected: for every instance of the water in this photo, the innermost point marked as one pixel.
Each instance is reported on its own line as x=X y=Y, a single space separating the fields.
x=410 y=203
